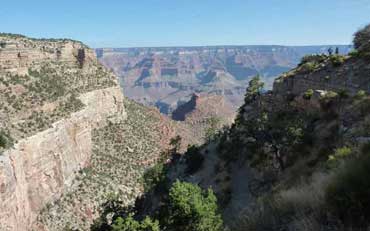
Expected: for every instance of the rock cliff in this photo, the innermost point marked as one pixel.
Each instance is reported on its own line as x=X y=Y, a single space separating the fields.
x=18 y=53
x=38 y=168
x=205 y=113
x=69 y=140
x=54 y=94
x=202 y=106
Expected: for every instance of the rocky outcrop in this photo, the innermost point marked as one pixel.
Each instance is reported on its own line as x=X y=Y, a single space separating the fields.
x=18 y=53
x=39 y=168
x=40 y=81
x=202 y=107
x=181 y=112
x=205 y=114
x=351 y=75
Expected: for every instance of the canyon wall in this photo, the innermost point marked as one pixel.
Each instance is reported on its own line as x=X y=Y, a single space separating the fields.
x=18 y=53
x=40 y=167
x=72 y=140
x=64 y=94
x=166 y=77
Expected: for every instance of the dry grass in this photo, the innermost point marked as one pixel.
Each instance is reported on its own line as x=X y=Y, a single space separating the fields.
x=298 y=208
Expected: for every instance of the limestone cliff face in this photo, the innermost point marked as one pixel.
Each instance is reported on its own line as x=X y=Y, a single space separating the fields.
x=64 y=94
x=201 y=107
x=72 y=140
x=204 y=113
x=39 y=167
x=18 y=53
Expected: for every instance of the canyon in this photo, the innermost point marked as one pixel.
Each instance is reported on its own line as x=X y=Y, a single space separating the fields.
x=295 y=158
x=72 y=143
x=69 y=138
x=166 y=77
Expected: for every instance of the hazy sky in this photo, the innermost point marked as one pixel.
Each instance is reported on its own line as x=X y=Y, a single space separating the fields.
x=127 y=23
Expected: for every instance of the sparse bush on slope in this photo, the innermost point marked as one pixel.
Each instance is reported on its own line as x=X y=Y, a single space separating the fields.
x=348 y=195
x=308 y=94
x=5 y=140
x=354 y=54
x=187 y=208
x=361 y=94
x=154 y=176
x=361 y=41
x=192 y=209
x=300 y=208
x=337 y=60
x=130 y=224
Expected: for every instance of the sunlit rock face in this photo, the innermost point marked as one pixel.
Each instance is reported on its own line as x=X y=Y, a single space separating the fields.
x=167 y=77
x=44 y=159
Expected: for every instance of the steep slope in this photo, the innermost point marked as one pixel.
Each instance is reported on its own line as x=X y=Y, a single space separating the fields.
x=296 y=157
x=322 y=72
x=69 y=140
x=121 y=153
x=49 y=93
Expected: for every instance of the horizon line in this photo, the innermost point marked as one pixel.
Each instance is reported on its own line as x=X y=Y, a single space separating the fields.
x=215 y=46
x=171 y=46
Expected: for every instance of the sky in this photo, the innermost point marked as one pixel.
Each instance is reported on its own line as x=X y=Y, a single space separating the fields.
x=146 y=23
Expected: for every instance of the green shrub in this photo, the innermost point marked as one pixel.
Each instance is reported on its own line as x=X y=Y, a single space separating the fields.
x=254 y=90
x=342 y=152
x=213 y=124
x=185 y=207
x=309 y=67
x=360 y=94
x=312 y=59
x=329 y=95
x=130 y=224
x=339 y=154
x=3 y=141
x=154 y=176
x=337 y=60
x=343 y=94
x=348 y=195
x=191 y=209
x=308 y=94
x=309 y=63
x=175 y=143
x=361 y=41
x=354 y=53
